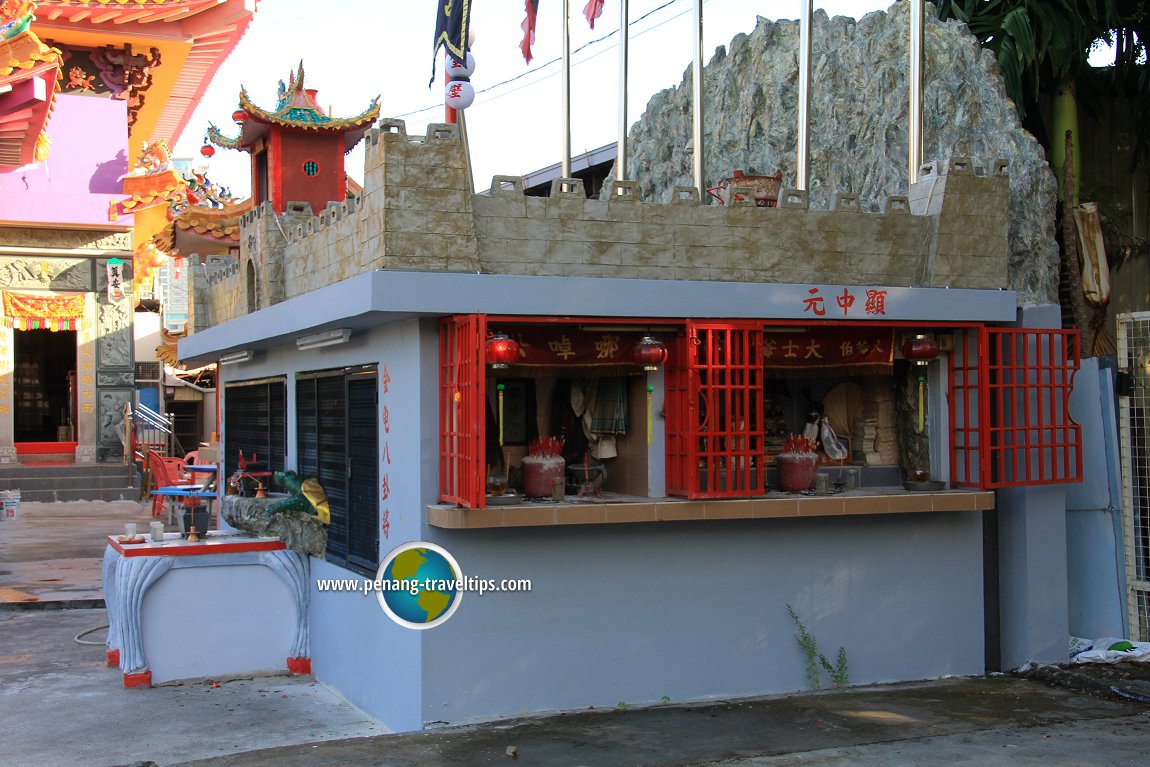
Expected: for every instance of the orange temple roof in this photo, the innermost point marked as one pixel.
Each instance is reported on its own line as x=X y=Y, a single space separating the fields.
x=296 y=108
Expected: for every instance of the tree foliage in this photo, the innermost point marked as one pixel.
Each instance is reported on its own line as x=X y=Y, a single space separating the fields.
x=1041 y=45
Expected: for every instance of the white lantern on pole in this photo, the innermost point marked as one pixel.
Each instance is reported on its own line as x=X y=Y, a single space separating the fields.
x=459 y=94
x=457 y=71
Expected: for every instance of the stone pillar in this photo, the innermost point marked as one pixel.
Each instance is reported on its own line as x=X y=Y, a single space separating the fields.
x=115 y=370
x=86 y=382
x=7 y=360
x=1033 y=596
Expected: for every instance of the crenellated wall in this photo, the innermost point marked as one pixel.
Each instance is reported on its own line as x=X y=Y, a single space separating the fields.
x=417 y=214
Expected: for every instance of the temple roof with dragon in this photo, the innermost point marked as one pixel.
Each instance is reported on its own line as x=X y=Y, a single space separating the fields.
x=29 y=74
x=296 y=109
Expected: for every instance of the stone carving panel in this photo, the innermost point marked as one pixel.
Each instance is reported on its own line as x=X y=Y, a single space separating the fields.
x=46 y=273
x=115 y=378
x=115 y=334
x=65 y=238
x=110 y=412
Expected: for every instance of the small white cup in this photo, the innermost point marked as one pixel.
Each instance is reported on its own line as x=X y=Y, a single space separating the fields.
x=157 y=529
x=130 y=530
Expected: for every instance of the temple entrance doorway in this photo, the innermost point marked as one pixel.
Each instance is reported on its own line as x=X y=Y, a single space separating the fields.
x=44 y=385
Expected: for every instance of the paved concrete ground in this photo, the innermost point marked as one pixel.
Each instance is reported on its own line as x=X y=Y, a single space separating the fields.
x=50 y=556
x=990 y=721
x=60 y=705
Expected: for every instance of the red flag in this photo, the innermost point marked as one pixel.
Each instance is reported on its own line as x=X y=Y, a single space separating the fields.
x=528 y=25
x=593 y=10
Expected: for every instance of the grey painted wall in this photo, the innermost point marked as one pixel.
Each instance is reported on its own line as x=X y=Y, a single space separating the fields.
x=1032 y=557
x=356 y=649
x=698 y=610
x=358 y=652
x=1095 y=557
x=215 y=620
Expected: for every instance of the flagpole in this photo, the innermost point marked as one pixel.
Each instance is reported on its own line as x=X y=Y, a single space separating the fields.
x=697 y=99
x=914 y=132
x=802 y=144
x=565 y=168
x=624 y=34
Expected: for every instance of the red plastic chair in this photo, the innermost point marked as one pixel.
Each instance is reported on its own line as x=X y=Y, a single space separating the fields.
x=166 y=472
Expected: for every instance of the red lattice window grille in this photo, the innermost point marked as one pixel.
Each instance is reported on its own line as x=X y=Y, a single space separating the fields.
x=1009 y=408
x=461 y=410
x=714 y=411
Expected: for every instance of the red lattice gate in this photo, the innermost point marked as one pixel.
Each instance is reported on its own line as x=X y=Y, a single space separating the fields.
x=714 y=411
x=461 y=410
x=1009 y=408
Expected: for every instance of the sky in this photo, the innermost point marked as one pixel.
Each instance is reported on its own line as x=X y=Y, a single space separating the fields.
x=360 y=49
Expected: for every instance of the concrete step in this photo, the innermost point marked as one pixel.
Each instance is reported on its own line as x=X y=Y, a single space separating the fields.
x=60 y=494
x=71 y=482
x=12 y=471
x=35 y=458
x=32 y=484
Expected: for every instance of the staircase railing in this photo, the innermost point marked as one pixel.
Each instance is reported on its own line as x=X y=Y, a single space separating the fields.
x=144 y=429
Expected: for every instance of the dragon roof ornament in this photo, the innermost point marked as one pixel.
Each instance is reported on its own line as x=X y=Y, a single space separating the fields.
x=296 y=107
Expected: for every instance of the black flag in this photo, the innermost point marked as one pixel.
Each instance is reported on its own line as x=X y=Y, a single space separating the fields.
x=452 y=18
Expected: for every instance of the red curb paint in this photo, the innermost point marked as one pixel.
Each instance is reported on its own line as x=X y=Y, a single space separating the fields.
x=113 y=657
x=138 y=679
x=184 y=549
x=299 y=665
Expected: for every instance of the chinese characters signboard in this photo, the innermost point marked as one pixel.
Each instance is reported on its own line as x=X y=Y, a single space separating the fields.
x=871 y=303
x=554 y=345
x=861 y=349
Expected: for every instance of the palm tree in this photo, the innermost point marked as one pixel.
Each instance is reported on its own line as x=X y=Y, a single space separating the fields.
x=1042 y=48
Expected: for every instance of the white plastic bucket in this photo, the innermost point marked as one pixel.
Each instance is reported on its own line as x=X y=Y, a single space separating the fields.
x=9 y=504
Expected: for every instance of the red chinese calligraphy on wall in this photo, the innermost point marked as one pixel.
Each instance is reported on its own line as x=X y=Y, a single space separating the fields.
x=874 y=303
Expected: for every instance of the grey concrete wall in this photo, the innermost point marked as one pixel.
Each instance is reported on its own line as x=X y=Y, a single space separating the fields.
x=417 y=214
x=200 y=622
x=697 y=611
x=360 y=653
x=1032 y=557
x=1095 y=556
x=356 y=649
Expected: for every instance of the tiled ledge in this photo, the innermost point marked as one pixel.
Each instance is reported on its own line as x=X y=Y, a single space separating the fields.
x=879 y=500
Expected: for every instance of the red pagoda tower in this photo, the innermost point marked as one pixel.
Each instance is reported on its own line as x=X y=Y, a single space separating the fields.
x=297 y=150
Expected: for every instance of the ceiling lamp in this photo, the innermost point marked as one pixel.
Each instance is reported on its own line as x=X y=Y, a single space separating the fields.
x=240 y=116
x=649 y=352
x=502 y=350
x=920 y=349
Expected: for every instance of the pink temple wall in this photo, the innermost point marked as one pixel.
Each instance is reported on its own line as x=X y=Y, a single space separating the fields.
x=89 y=156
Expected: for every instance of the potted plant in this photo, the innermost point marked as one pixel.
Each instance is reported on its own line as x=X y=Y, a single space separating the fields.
x=796 y=464
x=542 y=466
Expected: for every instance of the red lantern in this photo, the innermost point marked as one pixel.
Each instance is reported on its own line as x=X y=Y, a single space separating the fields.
x=240 y=116
x=649 y=352
x=502 y=350
x=920 y=349
x=207 y=150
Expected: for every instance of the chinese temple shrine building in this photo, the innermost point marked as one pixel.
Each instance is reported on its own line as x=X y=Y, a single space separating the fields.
x=297 y=150
x=412 y=347
x=94 y=86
